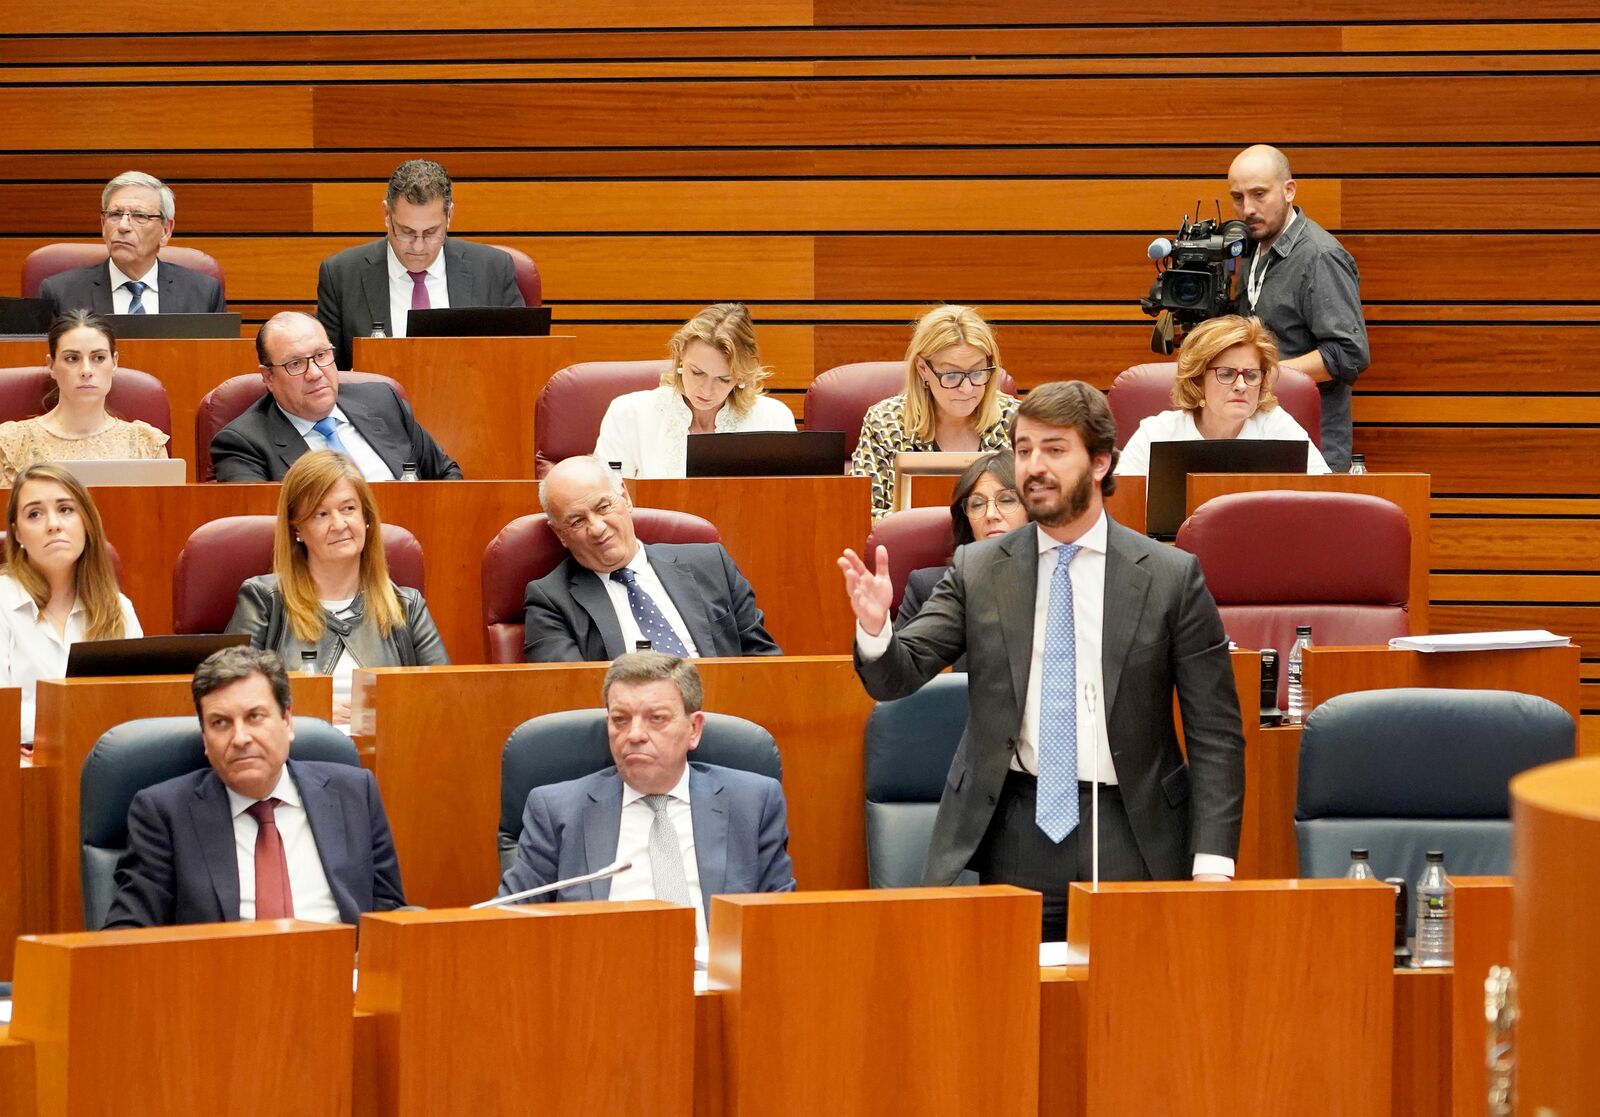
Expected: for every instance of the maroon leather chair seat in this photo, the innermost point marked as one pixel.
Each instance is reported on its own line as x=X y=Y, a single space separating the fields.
x=528 y=281
x=52 y=259
x=228 y=400
x=1277 y=559
x=222 y=554
x=1145 y=390
x=916 y=538
x=527 y=549
x=134 y=395
x=566 y=418
x=838 y=399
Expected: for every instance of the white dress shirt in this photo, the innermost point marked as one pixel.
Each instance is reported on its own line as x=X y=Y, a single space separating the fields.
x=372 y=467
x=1178 y=425
x=633 y=844
x=30 y=650
x=122 y=298
x=648 y=432
x=308 y=883
x=400 y=288
x=651 y=585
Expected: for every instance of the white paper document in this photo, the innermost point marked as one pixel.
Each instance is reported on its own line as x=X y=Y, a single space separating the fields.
x=1480 y=641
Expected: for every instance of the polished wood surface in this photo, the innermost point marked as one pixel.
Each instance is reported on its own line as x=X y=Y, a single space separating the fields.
x=1546 y=672
x=1270 y=1023
x=1063 y=1041
x=72 y=716
x=183 y=1037
x=436 y=735
x=475 y=395
x=564 y=1008
x=18 y=1090
x=1422 y=1006
x=11 y=826
x=1408 y=490
x=1555 y=812
x=909 y=989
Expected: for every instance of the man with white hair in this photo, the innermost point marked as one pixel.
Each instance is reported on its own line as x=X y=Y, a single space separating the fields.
x=136 y=220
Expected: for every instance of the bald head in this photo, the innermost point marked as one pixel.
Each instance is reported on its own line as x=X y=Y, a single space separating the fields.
x=591 y=516
x=1262 y=190
x=1261 y=159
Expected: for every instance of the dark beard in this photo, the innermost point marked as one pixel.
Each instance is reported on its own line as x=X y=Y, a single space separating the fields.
x=1076 y=505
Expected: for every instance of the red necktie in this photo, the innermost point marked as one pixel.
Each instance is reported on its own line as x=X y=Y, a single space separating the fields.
x=273 y=898
x=419 y=290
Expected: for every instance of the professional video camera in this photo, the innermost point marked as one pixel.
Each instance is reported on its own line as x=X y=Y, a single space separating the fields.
x=1195 y=276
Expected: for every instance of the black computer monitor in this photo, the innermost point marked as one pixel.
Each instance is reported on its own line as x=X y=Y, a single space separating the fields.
x=1172 y=462
x=765 y=454
x=480 y=321
x=129 y=326
x=145 y=655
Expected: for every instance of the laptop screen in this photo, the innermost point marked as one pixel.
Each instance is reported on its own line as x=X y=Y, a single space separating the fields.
x=1172 y=462
x=766 y=454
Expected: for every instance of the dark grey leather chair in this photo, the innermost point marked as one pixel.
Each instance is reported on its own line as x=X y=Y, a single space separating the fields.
x=571 y=744
x=139 y=754
x=910 y=743
x=1403 y=771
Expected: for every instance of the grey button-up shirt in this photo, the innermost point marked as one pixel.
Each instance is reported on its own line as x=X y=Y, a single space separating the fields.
x=1311 y=299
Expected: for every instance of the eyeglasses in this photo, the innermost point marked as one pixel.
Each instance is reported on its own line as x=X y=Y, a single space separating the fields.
x=953 y=378
x=115 y=216
x=1226 y=375
x=298 y=366
x=426 y=236
x=1004 y=501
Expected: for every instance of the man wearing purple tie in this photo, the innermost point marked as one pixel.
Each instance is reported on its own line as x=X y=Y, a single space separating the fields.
x=416 y=266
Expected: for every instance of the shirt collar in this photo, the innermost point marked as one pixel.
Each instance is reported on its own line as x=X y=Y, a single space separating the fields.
x=118 y=277
x=1092 y=540
x=398 y=271
x=1290 y=234
x=679 y=791
x=304 y=425
x=285 y=792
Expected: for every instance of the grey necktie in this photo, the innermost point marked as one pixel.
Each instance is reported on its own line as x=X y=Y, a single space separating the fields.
x=666 y=858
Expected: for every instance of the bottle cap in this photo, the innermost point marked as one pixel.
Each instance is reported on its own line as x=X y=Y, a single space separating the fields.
x=1436 y=855
x=1302 y=630
x=1358 y=854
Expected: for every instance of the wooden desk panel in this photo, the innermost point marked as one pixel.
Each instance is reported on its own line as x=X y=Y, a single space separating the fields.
x=11 y=826
x=1409 y=490
x=1551 y=673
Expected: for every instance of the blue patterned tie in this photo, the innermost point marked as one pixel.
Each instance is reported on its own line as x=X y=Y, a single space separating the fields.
x=647 y=614
x=137 y=288
x=328 y=428
x=1057 y=808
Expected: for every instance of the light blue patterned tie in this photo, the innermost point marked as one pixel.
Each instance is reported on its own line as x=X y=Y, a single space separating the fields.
x=136 y=288
x=328 y=428
x=648 y=615
x=1056 y=810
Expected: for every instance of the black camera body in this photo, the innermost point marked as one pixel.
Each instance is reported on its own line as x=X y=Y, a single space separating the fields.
x=1196 y=272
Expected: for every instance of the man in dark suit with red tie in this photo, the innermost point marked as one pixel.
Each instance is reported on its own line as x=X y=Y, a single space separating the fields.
x=255 y=835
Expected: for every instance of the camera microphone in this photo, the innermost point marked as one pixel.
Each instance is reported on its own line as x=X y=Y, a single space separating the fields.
x=1159 y=249
x=1235 y=235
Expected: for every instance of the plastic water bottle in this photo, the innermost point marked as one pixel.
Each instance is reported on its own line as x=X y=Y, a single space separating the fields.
x=378 y=330
x=1436 y=915
x=1358 y=464
x=308 y=661
x=1299 y=696
x=1360 y=867
x=408 y=471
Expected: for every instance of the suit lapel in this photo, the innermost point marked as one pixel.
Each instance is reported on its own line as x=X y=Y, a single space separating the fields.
x=708 y=814
x=373 y=427
x=602 y=823
x=458 y=276
x=326 y=819
x=1127 y=585
x=167 y=281
x=375 y=285
x=688 y=598
x=102 y=297
x=589 y=592
x=285 y=439
x=1016 y=585
x=212 y=816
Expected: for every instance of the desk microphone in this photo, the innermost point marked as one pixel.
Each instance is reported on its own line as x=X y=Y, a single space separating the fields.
x=610 y=870
x=1090 y=702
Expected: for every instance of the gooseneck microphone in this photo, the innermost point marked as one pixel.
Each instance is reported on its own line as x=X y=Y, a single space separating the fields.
x=610 y=870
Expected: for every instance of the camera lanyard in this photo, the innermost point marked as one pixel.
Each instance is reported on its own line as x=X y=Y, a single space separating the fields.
x=1258 y=275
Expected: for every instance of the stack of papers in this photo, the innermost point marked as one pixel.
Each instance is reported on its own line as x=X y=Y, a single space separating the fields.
x=1480 y=641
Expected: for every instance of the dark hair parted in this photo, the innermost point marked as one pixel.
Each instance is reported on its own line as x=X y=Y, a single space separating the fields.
x=230 y=665
x=419 y=181
x=647 y=667
x=998 y=464
x=1082 y=407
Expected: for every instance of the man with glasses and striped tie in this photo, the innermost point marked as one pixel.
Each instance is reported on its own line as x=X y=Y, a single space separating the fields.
x=136 y=220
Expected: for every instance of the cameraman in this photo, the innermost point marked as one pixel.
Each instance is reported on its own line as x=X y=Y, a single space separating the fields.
x=1304 y=286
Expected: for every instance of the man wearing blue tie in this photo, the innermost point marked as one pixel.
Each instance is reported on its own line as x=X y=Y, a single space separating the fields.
x=610 y=592
x=1077 y=632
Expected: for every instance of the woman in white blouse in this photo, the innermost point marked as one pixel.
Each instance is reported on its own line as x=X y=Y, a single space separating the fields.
x=58 y=586
x=1223 y=389
x=713 y=386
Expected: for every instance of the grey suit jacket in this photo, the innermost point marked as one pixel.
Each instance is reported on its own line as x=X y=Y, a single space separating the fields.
x=741 y=836
x=183 y=290
x=569 y=617
x=1161 y=632
x=181 y=866
x=353 y=287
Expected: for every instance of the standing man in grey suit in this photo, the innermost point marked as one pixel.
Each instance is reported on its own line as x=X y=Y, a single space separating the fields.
x=1077 y=632
x=137 y=216
x=417 y=266
x=691 y=831
x=610 y=592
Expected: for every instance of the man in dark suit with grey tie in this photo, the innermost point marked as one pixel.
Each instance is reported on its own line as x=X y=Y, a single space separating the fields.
x=137 y=216
x=416 y=266
x=687 y=599
x=1077 y=633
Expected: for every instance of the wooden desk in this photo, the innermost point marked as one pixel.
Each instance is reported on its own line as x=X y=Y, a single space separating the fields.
x=72 y=716
x=475 y=395
x=1408 y=490
x=11 y=828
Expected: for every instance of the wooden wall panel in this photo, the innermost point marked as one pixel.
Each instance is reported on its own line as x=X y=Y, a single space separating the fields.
x=134 y=120
x=1532 y=461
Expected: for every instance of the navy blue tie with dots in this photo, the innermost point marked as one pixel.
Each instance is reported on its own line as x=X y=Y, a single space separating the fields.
x=647 y=614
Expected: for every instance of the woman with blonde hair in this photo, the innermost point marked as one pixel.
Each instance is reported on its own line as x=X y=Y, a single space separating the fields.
x=58 y=586
x=330 y=591
x=713 y=386
x=1227 y=369
x=952 y=400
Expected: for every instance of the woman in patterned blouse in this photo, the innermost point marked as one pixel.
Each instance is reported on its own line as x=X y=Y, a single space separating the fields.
x=951 y=400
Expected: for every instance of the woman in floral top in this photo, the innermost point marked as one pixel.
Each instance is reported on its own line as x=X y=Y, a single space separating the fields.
x=952 y=400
